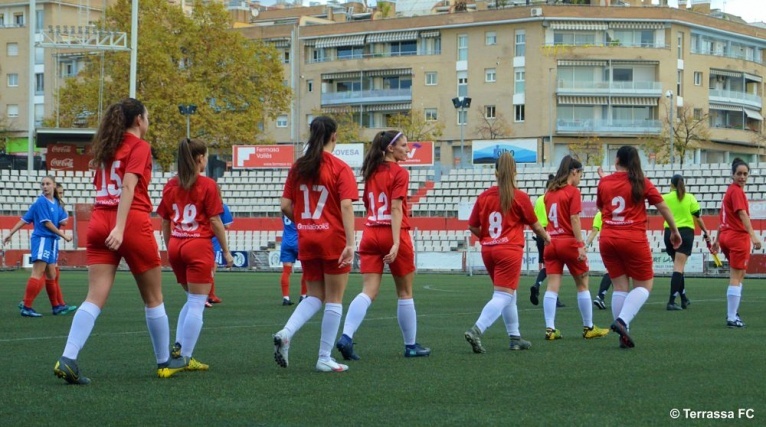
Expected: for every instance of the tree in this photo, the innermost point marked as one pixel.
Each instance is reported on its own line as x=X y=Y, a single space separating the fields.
x=235 y=83
x=349 y=129
x=590 y=151
x=492 y=128
x=689 y=130
x=415 y=127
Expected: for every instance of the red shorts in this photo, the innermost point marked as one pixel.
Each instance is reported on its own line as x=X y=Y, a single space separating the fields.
x=376 y=243
x=315 y=269
x=503 y=264
x=138 y=245
x=564 y=251
x=736 y=248
x=630 y=257
x=192 y=260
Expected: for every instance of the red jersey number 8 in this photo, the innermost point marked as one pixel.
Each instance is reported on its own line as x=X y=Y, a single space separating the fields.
x=495 y=225
x=307 y=214
x=114 y=186
x=188 y=222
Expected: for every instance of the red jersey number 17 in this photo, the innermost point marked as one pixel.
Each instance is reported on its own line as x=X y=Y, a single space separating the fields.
x=307 y=214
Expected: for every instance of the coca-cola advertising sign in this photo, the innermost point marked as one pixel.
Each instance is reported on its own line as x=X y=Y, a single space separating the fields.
x=61 y=148
x=65 y=164
x=67 y=157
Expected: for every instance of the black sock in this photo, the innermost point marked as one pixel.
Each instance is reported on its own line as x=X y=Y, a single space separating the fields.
x=540 y=277
x=675 y=286
x=682 y=291
x=606 y=282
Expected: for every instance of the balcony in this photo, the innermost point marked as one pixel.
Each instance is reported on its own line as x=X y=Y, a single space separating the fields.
x=367 y=96
x=569 y=87
x=747 y=56
x=734 y=97
x=603 y=126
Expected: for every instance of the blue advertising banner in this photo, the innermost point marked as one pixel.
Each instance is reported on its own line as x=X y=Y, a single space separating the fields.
x=240 y=259
x=487 y=151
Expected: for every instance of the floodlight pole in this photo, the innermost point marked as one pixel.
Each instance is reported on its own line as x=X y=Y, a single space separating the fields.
x=669 y=94
x=133 y=48
x=32 y=18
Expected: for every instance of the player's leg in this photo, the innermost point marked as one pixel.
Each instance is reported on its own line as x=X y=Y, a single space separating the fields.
x=335 y=279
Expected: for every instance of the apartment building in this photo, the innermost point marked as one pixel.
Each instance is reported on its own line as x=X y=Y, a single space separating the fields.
x=556 y=73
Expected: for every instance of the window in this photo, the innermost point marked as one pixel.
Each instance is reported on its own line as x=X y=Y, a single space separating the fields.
x=431 y=114
x=519 y=80
x=12 y=49
x=679 y=83
x=490 y=38
x=518 y=113
x=431 y=46
x=697 y=114
x=18 y=19
x=39 y=55
x=350 y=52
x=462 y=117
x=697 y=78
x=39 y=114
x=431 y=78
x=13 y=110
x=521 y=43
x=309 y=119
x=67 y=69
x=282 y=121
x=622 y=75
x=39 y=21
x=39 y=83
x=396 y=82
x=574 y=38
x=318 y=55
x=489 y=112
x=310 y=85
x=13 y=80
x=404 y=48
x=680 y=45
x=286 y=57
x=490 y=75
x=462 y=83
x=462 y=47
x=2 y=20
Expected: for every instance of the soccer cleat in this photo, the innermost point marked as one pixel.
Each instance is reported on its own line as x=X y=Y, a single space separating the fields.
x=193 y=364
x=594 y=332
x=473 y=336
x=63 y=309
x=534 y=295
x=599 y=302
x=213 y=299
x=29 y=312
x=330 y=365
x=737 y=323
x=21 y=305
x=303 y=297
x=553 y=334
x=625 y=340
x=685 y=302
x=416 y=350
x=171 y=367
x=673 y=307
x=175 y=351
x=286 y=301
x=560 y=304
x=281 y=346
x=346 y=348
x=517 y=343
x=207 y=304
x=67 y=370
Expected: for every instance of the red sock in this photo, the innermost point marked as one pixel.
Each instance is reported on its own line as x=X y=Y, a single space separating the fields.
x=212 y=290
x=59 y=295
x=285 y=281
x=303 y=285
x=34 y=286
x=50 y=289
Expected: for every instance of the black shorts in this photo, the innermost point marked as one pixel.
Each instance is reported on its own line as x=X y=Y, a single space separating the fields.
x=540 y=249
x=687 y=242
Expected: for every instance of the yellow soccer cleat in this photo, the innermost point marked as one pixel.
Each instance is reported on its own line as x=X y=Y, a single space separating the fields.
x=594 y=332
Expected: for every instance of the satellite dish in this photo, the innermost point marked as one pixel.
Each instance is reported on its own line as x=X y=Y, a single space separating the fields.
x=254 y=13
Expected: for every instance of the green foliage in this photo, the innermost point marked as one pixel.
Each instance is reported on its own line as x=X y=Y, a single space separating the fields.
x=415 y=126
x=590 y=151
x=349 y=130
x=492 y=128
x=234 y=82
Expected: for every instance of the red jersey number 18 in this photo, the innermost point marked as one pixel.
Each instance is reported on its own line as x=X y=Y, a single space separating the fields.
x=188 y=222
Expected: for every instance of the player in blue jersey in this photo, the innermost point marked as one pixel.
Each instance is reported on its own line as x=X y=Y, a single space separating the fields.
x=288 y=253
x=227 y=219
x=46 y=214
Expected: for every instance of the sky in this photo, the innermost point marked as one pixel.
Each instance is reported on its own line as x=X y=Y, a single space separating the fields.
x=749 y=10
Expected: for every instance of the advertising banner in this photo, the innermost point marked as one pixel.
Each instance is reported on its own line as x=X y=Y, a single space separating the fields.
x=421 y=154
x=262 y=156
x=352 y=154
x=240 y=259
x=485 y=152
x=67 y=157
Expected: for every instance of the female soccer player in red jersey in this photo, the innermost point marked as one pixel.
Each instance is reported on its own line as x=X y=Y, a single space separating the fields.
x=735 y=237
x=190 y=210
x=623 y=242
x=318 y=196
x=498 y=220
x=386 y=239
x=563 y=203
x=123 y=164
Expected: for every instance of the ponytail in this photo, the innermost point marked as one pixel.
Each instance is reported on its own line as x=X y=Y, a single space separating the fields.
x=307 y=166
x=560 y=180
x=376 y=155
x=505 y=170
x=118 y=117
x=628 y=158
x=677 y=181
x=188 y=152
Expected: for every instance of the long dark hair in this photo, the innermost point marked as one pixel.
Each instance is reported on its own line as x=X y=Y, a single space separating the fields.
x=188 y=151
x=737 y=162
x=307 y=166
x=118 y=117
x=628 y=158
x=567 y=165
x=376 y=155
x=505 y=169
x=677 y=181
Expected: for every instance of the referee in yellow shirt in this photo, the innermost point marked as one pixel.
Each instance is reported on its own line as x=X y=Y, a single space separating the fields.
x=686 y=213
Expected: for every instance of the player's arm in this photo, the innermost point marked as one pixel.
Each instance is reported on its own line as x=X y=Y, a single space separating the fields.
x=701 y=224
x=287 y=208
x=675 y=236
x=541 y=233
x=13 y=231
x=475 y=230
x=220 y=234
x=166 y=232
x=52 y=228
x=347 y=214
x=129 y=182
x=396 y=227
x=591 y=236
x=749 y=227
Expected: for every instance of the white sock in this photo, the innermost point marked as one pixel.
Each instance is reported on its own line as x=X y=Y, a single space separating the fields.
x=733 y=295
x=586 y=308
x=302 y=314
x=549 y=308
x=492 y=310
x=193 y=324
x=330 y=325
x=159 y=331
x=408 y=320
x=82 y=325
x=511 y=318
x=182 y=319
x=618 y=300
x=633 y=302
x=356 y=312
